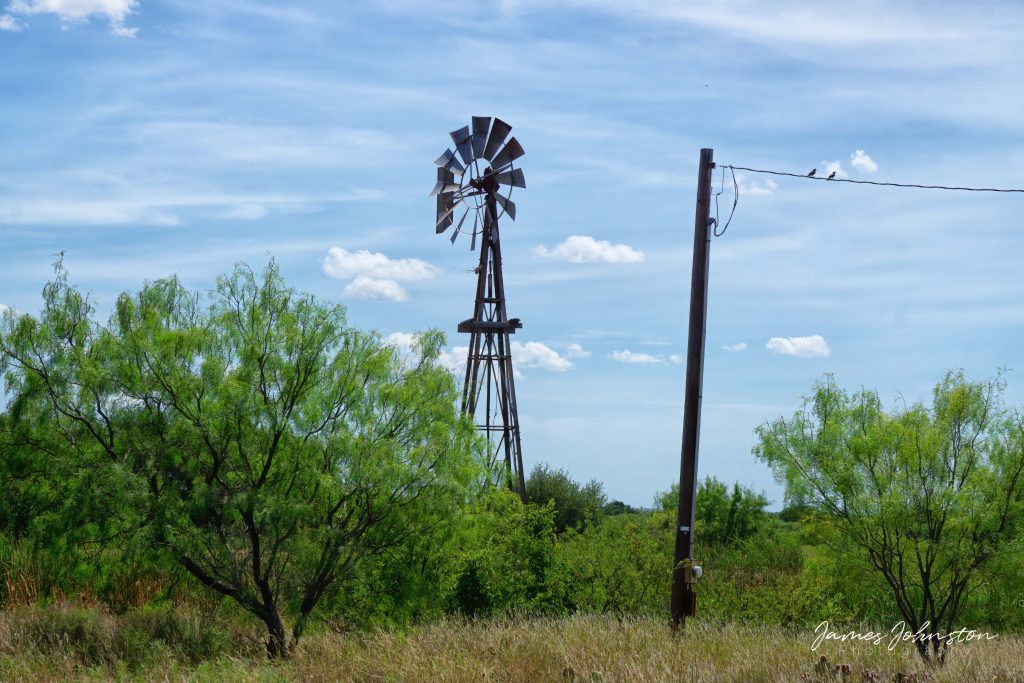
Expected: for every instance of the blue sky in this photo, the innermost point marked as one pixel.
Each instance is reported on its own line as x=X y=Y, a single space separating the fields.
x=144 y=138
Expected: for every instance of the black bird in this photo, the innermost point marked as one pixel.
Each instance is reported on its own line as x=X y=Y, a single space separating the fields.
x=832 y=175
x=811 y=174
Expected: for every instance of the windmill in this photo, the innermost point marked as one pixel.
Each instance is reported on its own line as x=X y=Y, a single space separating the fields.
x=472 y=180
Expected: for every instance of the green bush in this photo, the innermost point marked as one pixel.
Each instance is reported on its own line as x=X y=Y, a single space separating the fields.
x=576 y=505
x=508 y=549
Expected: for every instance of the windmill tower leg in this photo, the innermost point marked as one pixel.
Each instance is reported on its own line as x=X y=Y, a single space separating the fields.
x=489 y=361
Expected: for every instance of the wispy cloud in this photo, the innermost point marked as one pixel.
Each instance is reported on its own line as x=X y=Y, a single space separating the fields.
x=739 y=346
x=792 y=23
x=762 y=187
x=576 y=351
x=115 y=11
x=276 y=144
x=814 y=346
x=9 y=23
x=586 y=249
x=155 y=206
x=675 y=359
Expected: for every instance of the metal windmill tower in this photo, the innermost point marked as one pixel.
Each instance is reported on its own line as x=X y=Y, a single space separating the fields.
x=471 y=181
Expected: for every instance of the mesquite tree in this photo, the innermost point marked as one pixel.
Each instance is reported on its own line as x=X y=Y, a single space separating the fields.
x=249 y=434
x=929 y=494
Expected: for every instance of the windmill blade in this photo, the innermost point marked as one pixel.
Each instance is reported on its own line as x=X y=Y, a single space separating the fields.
x=443 y=160
x=455 y=234
x=472 y=242
x=445 y=182
x=507 y=204
x=499 y=131
x=463 y=219
x=515 y=178
x=444 y=213
x=449 y=218
x=480 y=126
x=449 y=162
x=443 y=187
x=463 y=143
x=513 y=150
x=446 y=205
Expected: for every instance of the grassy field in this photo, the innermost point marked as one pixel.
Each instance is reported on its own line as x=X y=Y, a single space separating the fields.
x=62 y=643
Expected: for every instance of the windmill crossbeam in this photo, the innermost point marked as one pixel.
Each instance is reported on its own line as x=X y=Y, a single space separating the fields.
x=507 y=326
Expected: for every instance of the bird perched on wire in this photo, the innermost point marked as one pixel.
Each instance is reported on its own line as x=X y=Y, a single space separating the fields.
x=831 y=175
x=811 y=174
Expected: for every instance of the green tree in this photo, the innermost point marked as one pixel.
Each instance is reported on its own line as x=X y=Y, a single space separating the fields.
x=576 y=505
x=617 y=507
x=250 y=434
x=722 y=517
x=931 y=495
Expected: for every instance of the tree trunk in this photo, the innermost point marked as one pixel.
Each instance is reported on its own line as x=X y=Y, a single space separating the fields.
x=277 y=639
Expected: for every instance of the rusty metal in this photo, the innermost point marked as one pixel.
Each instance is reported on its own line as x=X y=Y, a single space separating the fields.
x=488 y=393
x=683 y=600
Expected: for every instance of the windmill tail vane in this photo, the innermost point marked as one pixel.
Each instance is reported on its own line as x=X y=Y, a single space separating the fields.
x=478 y=178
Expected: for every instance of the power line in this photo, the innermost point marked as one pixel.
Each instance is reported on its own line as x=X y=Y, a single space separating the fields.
x=872 y=182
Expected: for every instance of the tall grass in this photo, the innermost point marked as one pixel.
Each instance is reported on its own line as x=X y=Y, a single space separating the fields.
x=65 y=642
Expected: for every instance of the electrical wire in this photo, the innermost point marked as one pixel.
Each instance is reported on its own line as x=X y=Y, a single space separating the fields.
x=874 y=182
x=735 y=201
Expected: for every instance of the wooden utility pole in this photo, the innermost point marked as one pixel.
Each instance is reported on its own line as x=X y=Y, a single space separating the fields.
x=684 y=600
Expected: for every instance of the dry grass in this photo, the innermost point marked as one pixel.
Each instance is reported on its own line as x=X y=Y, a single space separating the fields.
x=580 y=649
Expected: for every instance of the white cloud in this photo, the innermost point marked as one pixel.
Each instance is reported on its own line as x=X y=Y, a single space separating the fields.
x=116 y=11
x=628 y=356
x=576 y=351
x=403 y=341
x=454 y=360
x=9 y=23
x=862 y=162
x=675 y=359
x=831 y=166
x=538 y=355
x=741 y=346
x=4 y=308
x=528 y=355
x=373 y=289
x=342 y=264
x=585 y=249
x=814 y=346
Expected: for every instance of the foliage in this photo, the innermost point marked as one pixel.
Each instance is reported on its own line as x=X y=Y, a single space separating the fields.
x=622 y=566
x=721 y=517
x=509 y=549
x=932 y=496
x=257 y=441
x=617 y=507
x=576 y=505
